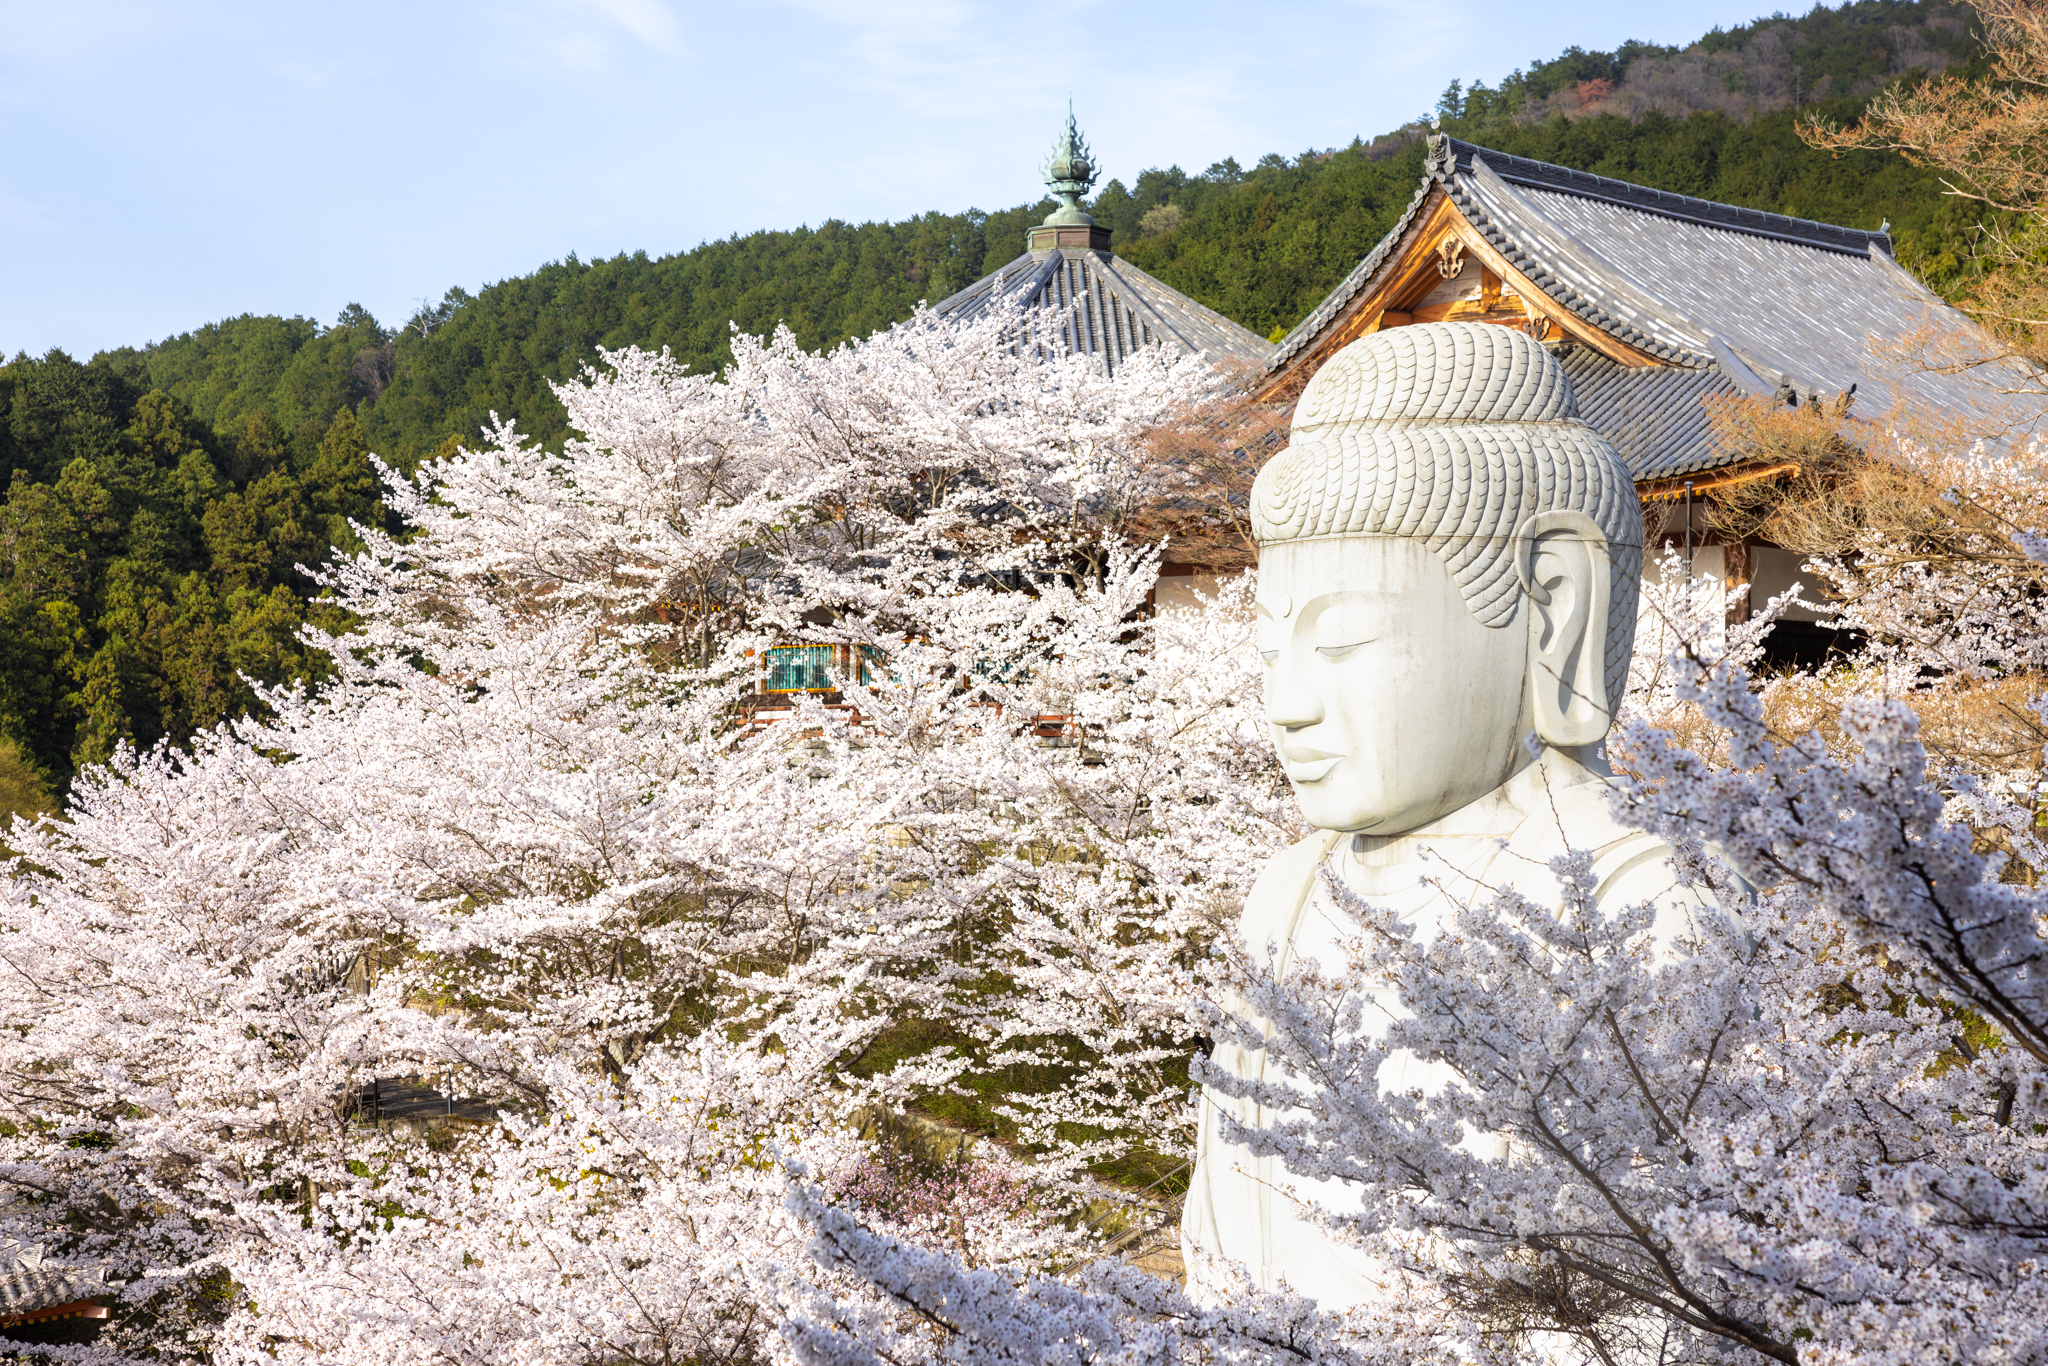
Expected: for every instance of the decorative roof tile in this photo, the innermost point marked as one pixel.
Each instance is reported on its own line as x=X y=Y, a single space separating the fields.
x=1655 y=415
x=1541 y=175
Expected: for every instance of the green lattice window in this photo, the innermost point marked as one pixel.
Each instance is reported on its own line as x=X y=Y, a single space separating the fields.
x=811 y=668
x=799 y=668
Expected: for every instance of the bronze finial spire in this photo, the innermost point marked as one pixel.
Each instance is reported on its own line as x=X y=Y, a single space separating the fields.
x=1070 y=171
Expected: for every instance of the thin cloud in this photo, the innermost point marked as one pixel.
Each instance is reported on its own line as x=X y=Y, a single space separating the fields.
x=648 y=20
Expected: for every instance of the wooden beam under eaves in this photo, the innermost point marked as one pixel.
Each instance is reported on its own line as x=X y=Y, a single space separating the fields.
x=1665 y=490
x=1508 y=311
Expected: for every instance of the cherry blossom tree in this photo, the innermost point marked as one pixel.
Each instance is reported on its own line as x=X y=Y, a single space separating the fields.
x=540 y=842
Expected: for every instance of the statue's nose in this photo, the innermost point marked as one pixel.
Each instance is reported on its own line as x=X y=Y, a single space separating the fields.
x=1289 y=702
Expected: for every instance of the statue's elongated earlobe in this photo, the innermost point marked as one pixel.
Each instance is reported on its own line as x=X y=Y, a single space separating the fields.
x=1562 y=560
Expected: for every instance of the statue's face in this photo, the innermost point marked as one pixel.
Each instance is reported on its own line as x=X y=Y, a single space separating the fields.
x=1390 y=704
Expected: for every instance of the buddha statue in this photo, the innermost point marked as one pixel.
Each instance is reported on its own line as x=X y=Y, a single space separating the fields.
x=1448 y=565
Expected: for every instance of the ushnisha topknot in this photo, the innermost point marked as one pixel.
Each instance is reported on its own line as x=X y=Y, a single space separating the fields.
x=1454 y=434
x=1437 y=373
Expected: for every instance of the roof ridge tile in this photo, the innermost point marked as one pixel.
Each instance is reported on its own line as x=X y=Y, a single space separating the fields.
x=1545 y=175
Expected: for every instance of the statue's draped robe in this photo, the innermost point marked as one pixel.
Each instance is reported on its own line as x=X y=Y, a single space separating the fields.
x=1246 y=1208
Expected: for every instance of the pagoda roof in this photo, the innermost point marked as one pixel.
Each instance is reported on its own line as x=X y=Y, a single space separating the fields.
x=1659 y=300
x=1079 y=299
x=1098 y=304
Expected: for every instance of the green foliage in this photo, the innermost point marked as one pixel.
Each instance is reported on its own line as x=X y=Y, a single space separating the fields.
x=1264 y=246
x=22 y=792
x=149 y=565
x=1848 y=51
x=978 y=1104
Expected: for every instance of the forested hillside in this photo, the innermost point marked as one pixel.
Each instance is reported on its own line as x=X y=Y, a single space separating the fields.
x=151 y=560
x=161 y=496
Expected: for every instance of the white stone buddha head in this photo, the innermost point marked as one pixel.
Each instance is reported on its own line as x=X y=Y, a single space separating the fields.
x=1448 y=561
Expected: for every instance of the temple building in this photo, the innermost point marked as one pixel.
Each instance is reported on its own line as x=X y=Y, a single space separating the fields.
x=1654 y=303
x=1086 y=300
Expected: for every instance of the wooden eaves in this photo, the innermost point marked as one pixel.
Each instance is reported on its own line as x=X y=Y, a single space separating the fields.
x=1418 y=268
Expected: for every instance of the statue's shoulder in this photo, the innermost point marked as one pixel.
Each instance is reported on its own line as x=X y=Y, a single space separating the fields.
x=1580 y=816
x=1277 y=896
x=1630 y=865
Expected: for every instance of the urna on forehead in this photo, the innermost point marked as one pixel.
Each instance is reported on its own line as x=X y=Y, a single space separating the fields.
x=1454 y=434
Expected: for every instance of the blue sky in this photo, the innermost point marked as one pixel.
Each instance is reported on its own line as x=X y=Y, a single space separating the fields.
x=167 y=164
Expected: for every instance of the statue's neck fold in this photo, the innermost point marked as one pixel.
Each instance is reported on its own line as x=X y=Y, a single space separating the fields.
x=1533 y=786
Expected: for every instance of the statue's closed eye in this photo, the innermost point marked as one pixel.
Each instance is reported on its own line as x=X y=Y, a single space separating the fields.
x=1340 y=651
x=1269 y=655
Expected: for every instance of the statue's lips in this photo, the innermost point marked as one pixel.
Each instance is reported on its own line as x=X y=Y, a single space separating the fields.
x=1306 y=765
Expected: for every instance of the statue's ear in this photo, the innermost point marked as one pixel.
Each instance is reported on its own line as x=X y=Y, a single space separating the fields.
x=1563 y=563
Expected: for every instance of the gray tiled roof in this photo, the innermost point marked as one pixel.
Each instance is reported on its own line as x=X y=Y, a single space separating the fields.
x=1652 y=413
x=27 y=1290
x=1729 y=299
x=1109 y=308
